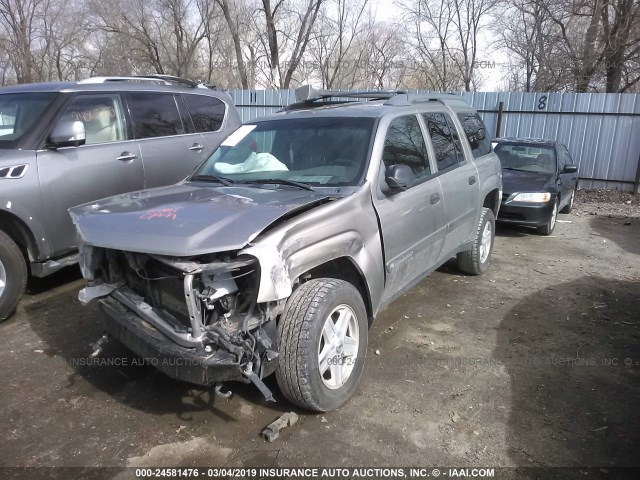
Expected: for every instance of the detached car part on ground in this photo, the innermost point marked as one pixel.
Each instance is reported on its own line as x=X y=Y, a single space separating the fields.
x=540 y=180
x=279 y=251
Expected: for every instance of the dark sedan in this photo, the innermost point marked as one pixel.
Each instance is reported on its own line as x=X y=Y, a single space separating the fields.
x=539 y=180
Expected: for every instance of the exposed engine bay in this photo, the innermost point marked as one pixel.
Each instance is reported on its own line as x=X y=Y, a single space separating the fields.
x=207 y=306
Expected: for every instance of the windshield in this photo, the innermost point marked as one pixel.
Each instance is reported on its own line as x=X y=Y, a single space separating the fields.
x=527 y=158
x=18 y=113
x=316 y=151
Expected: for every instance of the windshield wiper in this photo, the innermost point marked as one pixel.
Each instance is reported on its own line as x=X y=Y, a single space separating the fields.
x=224 y=181
x=282 y=181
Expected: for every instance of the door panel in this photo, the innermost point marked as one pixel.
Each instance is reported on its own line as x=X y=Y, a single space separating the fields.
x=76 y=175
x=170 y=148
x=412 y=221
x=168 y=160
x=413 y=233
x=459 y=180
x=108 y=164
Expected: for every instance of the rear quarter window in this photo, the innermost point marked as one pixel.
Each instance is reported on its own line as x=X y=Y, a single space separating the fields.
x=476 y=132
x=206 y=112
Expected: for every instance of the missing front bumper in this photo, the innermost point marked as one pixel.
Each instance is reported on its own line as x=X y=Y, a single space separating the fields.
x=185 y=364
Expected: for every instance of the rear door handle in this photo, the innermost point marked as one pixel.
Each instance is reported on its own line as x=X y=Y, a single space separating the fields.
x=435 y=198
x=126 y=156
x=472 y=180
x=196 y=147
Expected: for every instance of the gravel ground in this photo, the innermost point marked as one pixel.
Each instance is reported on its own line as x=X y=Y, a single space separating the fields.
x=607 y=202
x=535 y=363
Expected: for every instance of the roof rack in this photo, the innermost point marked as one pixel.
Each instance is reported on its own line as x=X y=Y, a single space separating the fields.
x=155 y=79
x=309 y=97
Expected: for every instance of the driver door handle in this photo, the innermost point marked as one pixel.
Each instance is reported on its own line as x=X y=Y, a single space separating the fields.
x=435 y=198
x=472 y=180
x=126 y=156
x=196 y=147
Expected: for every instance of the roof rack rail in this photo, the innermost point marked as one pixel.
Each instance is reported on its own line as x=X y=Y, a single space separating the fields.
x=307 y=96
x=308 y=93
x=155 y=79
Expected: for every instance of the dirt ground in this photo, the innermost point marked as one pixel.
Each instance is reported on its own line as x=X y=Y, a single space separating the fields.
x=536 y=363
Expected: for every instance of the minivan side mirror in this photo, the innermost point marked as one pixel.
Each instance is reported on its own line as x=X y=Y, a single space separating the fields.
x=570 y=168
x=67 y=133
x=399 y=177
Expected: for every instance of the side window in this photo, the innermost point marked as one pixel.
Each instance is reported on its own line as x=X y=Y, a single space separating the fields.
x=476 y=133
x=102 y=116
x=207 y=112
x=155 y=115
x=444 y=137
x=405 y=145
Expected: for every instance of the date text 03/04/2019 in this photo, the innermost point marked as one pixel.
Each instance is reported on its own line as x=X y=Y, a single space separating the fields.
x=311 y=472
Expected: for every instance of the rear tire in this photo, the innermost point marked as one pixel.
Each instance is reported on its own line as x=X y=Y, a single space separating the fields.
x=477 y=260
x=13 y=276
x=323 y=344
x=547 y=229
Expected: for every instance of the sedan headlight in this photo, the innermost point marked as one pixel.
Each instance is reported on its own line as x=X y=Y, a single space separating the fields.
x=537 y=197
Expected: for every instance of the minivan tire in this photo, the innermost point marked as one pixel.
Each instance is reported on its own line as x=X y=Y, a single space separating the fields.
x=304 y=329
x=477 y=260
x=13 y=276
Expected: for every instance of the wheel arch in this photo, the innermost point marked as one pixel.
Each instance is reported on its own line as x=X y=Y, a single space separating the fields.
x=343 y=268
x=492 y=201
x=20 y=233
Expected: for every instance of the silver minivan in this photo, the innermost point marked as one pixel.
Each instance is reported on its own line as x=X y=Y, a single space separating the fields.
x=65 y=144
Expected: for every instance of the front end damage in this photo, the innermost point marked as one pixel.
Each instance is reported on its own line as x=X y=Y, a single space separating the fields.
x=197 y=319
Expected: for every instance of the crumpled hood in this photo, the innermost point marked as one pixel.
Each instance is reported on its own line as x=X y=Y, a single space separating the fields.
x=519 y=181
x=186 y=219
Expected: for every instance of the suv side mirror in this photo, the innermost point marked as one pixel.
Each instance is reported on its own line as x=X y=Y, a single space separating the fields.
x=570 y=168
x=399 y=177
x=67 y=133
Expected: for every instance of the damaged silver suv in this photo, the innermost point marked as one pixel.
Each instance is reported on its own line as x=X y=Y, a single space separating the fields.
x=281 y=248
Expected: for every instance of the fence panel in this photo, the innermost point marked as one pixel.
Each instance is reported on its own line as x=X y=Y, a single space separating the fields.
x=601 y=130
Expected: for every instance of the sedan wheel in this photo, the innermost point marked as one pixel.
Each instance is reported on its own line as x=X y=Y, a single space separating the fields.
x=548 y=228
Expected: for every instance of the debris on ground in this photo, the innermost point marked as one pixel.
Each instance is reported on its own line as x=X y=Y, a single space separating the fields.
x=454 y=417
x=607 y=202
x=272 y=432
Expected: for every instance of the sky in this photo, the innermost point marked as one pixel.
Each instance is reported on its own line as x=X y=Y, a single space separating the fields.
x=492 y=78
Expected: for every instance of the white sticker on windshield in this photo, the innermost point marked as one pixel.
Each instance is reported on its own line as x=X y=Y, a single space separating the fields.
x=493 y=144
x=233 y=139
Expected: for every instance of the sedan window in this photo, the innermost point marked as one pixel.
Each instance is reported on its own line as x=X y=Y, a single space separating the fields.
x=527 y=158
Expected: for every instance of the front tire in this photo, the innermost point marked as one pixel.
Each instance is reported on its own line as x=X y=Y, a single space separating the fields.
x=547 y=229
x=477 y=260
x=323 y=342
x=13 y=275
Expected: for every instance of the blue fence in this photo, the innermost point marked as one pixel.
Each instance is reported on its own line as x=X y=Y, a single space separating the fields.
x=601 y=130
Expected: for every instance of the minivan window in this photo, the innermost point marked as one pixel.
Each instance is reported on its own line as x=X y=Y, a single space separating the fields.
x=405 y=145
x=325 y=151
x=102 y=116
x=154 y=115
x=19 y=112
x=445 y=140
x=207 y=113
x=476 y=132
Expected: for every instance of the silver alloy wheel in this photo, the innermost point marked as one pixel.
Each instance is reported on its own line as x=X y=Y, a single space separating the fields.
x=554 y=214
x=3 y=278
x=485 y=242
x=338 y=346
